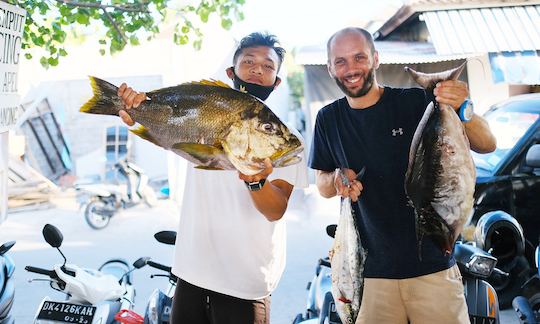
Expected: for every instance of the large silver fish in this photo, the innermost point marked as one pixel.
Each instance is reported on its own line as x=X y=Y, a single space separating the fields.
x=347 y=258
x=440 y=178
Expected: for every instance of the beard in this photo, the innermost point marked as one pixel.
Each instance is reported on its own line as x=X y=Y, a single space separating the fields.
x=368 y=83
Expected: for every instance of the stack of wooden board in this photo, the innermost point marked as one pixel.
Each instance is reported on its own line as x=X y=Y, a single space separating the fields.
x=27 y=188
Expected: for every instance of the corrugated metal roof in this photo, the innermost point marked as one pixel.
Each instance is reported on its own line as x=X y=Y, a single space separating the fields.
x=469 y=31
x=390 y=52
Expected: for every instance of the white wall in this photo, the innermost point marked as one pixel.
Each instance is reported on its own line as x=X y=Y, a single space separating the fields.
x=483 y=91
x=3 y=174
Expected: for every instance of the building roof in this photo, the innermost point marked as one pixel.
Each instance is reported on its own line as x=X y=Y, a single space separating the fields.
x=467 y=27
x=390 y=52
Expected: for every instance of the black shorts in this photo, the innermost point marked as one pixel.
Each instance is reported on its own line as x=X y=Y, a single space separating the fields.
x=195 y=305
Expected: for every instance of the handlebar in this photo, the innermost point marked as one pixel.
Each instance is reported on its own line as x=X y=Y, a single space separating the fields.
x=51 y=273
x=158 y=266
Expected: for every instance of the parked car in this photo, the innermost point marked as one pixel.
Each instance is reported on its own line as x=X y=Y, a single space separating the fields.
x=508 y=188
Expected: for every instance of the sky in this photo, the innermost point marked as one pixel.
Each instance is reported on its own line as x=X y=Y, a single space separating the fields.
x=308 y=22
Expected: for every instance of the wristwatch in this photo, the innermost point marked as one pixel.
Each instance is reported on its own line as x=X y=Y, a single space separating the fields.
x=466 y=111
x=256 y=185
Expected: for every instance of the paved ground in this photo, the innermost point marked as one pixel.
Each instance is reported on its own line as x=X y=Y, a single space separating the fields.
x=130 y=235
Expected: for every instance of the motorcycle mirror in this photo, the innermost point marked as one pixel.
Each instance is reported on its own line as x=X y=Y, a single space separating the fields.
x=52 y=235
x=141 y=262
x=331 y=230
x=166 y=237
x=6 y=246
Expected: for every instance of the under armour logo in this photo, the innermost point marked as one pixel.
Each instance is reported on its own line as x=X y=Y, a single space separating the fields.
x=395 y=132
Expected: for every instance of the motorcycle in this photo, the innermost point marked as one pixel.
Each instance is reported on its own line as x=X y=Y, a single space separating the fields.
x=158 y=309
x=101 y=202
x=474 y=264
x=103 y=296
x=527 y=305
x=7 y=288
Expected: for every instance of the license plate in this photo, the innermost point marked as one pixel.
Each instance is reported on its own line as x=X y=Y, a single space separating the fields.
x=67 y=313
x=475 y=319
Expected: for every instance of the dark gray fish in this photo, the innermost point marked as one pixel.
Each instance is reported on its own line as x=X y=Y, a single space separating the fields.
x=440 y=178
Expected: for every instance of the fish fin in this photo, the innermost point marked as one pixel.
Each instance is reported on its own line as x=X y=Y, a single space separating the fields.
x=414 y=168
x=105 y=100
x=212 y=82
x=201 y=152
x=202 y=167
x=429 y=80
x=144 y=133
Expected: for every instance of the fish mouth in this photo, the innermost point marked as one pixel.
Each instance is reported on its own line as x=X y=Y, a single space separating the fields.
x=288 y=156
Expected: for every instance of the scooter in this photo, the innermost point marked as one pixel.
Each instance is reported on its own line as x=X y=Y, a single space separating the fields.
x=158 y=310
x=475 y=265
x=527 y=305
x=101 y=202
x=7 y=288
x=103 y=296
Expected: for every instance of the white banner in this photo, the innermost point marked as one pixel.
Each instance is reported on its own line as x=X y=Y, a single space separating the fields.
x=12 y=20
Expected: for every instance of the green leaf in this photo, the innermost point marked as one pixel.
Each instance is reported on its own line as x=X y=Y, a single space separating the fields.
x=28 y=56
x=203 y=14
x=65 y=10
x=184 y=39
x=134 y=40
x=226 y=23
x=53 y=61
x=102 y=41
x=197 y=44
x=185 y=29
x=101 y=51
x=83 y=19
x=62 y=52
x=43 y=61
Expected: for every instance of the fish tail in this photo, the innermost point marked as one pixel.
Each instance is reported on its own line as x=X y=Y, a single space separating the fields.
x=105 y=100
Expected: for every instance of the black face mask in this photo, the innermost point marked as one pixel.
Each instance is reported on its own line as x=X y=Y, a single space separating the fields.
x=259 y=91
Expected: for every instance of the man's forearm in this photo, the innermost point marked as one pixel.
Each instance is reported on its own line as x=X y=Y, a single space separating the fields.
x=480 y=136
x=325 y=183
x=272 y=199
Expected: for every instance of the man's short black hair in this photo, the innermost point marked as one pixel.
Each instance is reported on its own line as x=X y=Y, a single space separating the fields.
x=260 y=39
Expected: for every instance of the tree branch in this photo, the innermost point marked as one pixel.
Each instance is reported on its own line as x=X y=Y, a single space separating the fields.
x=120 y=32
x=127 y=8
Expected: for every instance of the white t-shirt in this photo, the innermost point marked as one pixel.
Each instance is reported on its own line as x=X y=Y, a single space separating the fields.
x=224 y=243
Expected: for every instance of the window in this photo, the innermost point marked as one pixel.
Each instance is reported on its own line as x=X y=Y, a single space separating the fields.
x=116 y=149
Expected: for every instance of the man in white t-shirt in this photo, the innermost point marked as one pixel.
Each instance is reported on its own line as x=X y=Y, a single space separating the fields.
x=230 y=247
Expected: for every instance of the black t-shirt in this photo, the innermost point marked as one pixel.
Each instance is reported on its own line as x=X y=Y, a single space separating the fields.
x=379 y=138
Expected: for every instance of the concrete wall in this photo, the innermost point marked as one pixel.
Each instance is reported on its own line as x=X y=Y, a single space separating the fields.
x=483 y=91
x=3 y=175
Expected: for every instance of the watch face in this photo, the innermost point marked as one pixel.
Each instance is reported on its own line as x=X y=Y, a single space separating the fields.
x=468 y=112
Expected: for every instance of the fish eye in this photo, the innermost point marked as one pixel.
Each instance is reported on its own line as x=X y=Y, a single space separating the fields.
x=268 y=128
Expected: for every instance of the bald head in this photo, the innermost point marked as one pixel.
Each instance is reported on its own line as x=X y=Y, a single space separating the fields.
x=347 y=31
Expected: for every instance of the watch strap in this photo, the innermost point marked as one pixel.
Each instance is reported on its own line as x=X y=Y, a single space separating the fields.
x=256 y=185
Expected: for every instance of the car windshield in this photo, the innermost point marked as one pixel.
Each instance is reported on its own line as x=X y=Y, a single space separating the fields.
x=508 y=127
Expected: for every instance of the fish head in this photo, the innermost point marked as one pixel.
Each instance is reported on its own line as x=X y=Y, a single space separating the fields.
x=257 y=135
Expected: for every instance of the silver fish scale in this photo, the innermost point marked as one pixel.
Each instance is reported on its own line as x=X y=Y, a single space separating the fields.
x=348 y=259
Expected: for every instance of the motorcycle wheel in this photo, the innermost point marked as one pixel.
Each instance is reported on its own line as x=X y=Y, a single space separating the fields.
x=93 y=218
